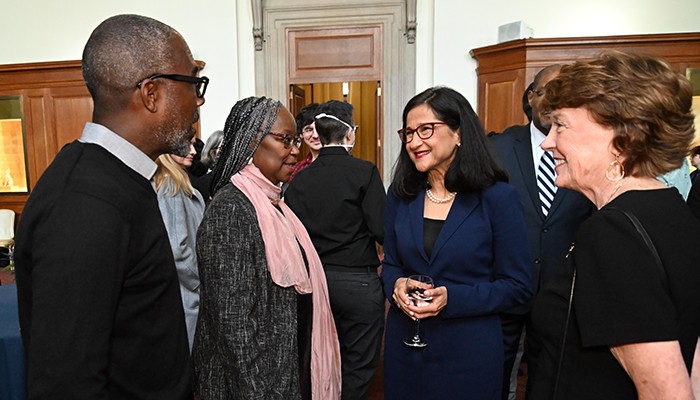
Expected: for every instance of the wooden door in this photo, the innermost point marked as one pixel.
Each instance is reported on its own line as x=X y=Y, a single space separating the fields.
x=322 y=58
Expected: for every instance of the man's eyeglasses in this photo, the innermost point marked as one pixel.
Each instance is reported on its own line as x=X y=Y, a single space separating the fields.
x=200 y=82
x=287 y=140
x=424 y=131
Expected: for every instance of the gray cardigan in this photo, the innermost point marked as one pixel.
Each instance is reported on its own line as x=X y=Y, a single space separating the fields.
x=182 y=215
x=246 y=341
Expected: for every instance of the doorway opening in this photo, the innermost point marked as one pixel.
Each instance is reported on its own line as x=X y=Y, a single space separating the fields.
x=317 y=41
x=365 y=97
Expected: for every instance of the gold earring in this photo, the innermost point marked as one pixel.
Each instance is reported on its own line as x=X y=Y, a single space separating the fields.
x=615 y=166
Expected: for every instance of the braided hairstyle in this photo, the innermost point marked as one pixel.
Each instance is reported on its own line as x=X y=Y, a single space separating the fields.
x=247 y=124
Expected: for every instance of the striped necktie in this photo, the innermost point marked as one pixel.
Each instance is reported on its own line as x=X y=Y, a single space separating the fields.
x=545 y=181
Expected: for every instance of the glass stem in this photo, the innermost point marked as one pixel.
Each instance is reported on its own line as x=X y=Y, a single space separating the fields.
x=416 y=338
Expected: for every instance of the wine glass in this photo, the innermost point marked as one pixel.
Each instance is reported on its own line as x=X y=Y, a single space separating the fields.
x=415 y=288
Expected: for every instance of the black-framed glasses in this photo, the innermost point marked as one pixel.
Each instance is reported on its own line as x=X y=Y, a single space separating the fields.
x=287 y=140
x=200 y=82
x=424 y=131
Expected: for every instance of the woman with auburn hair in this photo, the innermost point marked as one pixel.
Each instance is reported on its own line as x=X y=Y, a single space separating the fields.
x=182 y=208
x=620 y=319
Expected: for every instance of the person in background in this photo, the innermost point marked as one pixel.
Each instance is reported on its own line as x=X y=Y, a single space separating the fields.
x=628 y=322
x=694 y=195
x=265 y=327
x=450 y=215
x=197 y=169
x=551 y=225
x=210 y=153
x=679 y=179
x=340 y=200
x=695 y=161
x=98 y=292
x=182 y=208
x=307 y=130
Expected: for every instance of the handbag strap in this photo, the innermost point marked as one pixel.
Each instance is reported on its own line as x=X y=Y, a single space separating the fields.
x=555 y=389
x=642 y=232
x=662 y=276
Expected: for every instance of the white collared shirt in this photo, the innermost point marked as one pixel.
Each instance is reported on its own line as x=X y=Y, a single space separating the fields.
x=536 y=139
x=120 y=148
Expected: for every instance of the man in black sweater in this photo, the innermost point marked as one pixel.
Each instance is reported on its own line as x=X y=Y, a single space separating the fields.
x=99 y=300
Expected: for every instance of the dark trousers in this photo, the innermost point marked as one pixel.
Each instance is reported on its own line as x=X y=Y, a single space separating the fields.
x=513 y=325
x=357 y=302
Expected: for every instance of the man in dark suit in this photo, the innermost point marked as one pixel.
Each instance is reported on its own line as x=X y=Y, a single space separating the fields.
x=98 y=292
x=550 y=235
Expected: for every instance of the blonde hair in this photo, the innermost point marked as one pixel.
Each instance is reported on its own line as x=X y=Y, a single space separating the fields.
x=179 y=181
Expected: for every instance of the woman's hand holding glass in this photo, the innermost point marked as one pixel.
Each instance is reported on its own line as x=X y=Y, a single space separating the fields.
x=419 y=310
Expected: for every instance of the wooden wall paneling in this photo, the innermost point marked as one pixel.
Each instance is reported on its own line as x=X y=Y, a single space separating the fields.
x=327 y=91
x=55 y=105
x=500 y=92
x=72 y=107
x=366 y=118
x=527 y=56
x=334 y=54
x=39 y=135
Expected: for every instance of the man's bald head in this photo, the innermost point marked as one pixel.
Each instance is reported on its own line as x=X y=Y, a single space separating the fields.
x=123 y=50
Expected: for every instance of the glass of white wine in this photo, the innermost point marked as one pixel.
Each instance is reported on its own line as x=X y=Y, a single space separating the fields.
x=415 y=289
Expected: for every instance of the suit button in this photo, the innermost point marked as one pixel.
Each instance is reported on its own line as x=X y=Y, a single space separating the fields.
x=545 y=230
x=537 y=261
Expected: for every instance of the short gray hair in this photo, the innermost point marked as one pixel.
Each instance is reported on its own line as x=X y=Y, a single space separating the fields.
x=123 y=50
x=213 y=141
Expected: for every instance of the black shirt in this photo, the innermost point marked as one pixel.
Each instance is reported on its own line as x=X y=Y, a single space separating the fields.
x=618 y=298
x=340 y=200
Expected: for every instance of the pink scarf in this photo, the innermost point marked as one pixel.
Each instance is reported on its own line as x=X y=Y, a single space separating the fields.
x=286 y=264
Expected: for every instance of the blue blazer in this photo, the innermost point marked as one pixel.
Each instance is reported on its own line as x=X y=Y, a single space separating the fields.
x=550 y=237
x=481 y=256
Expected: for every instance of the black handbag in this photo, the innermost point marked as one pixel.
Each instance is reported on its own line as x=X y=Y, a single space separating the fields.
x=662 y=276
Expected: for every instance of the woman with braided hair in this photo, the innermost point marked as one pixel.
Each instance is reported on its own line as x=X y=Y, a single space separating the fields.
x=262 y=284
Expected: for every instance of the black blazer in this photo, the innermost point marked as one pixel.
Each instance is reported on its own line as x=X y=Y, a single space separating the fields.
x=549 y=237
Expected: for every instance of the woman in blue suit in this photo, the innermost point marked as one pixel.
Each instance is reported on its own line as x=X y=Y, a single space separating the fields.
x=450 y=215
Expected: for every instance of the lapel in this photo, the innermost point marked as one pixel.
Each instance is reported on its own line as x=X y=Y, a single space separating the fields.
x=464 y=204
x=559 y=198
x=522 y=149
x=415 y=210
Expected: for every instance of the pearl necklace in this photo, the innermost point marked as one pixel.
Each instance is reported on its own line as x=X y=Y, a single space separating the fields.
x=436 y=200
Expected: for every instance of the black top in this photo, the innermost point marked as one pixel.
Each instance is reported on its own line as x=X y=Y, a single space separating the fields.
x=202 y=184
x=694 y=198
x=618 y=297
x=431 y=230
x=99 y=297
x=340 y=200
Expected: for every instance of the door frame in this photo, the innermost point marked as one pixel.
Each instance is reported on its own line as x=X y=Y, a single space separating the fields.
x=399 y=56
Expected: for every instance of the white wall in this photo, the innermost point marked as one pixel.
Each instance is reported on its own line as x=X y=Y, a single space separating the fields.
x=460 y=26
x=48 y=30
x=219 y=32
